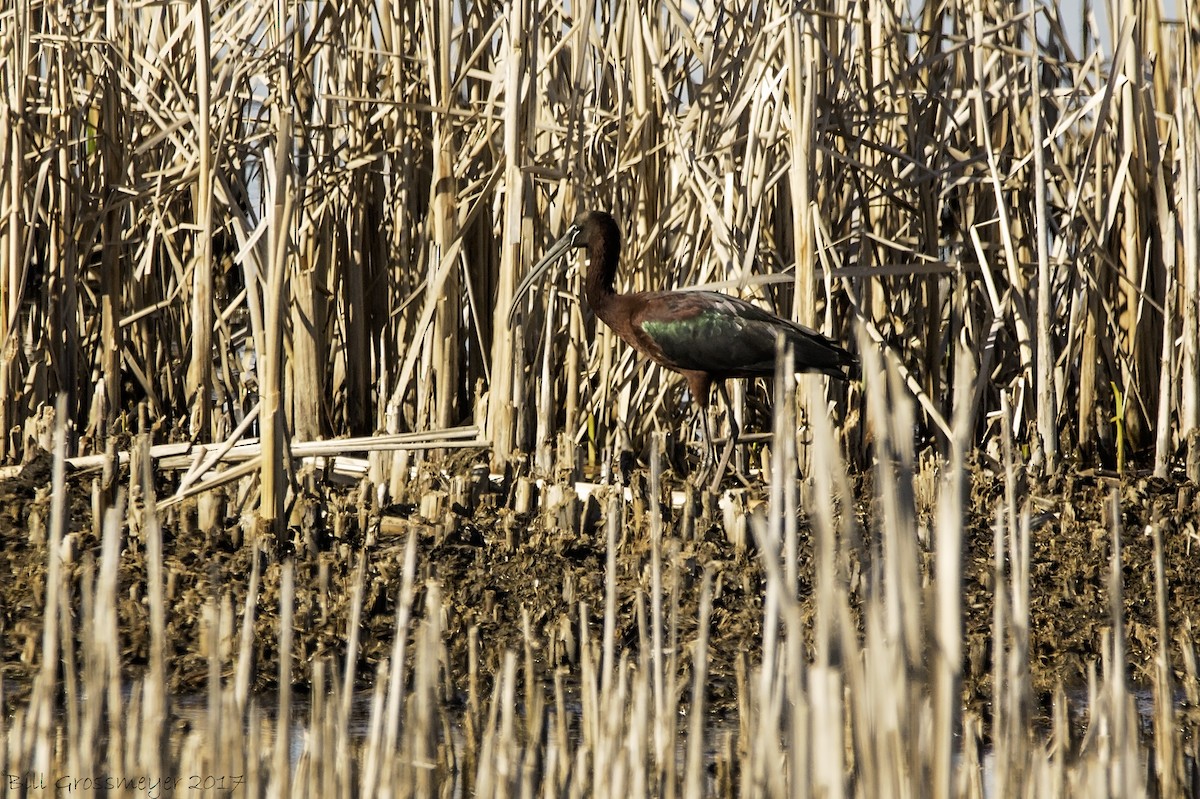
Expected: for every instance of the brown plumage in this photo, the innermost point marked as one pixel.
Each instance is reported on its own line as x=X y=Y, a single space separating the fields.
x=705 y=336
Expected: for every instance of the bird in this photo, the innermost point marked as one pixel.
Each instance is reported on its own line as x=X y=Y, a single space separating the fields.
x=705 y=336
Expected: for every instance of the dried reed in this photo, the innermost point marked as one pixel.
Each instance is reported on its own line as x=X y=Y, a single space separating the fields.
x=870 y=713
x=956 y=176
x=317 y=214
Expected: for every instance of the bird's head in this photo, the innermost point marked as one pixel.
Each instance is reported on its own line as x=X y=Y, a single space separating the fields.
x=590 y=229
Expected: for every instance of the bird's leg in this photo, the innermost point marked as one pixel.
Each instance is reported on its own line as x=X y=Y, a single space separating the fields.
x=709 y=458
x=729 y=444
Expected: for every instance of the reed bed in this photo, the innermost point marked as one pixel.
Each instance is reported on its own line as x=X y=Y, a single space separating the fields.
x=322 y=212
x=242 y=242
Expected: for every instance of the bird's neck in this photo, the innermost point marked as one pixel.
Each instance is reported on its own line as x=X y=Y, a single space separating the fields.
x=602 y=271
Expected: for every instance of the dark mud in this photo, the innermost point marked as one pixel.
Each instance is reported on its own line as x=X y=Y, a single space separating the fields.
x=502 y=572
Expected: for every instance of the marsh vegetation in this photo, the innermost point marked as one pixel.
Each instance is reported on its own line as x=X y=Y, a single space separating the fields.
x=272 y=437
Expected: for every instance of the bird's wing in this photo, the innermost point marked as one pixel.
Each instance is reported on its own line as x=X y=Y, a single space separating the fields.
x=725 y=336
x=707 y=332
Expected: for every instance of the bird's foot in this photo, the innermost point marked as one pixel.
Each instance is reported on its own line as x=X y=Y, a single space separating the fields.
x=743 y=478
x=718 y=476
x=700 y=475
x=706 y=475
x=724 y=464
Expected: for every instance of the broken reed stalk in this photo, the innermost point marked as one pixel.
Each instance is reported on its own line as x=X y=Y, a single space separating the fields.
x=1189 y=188
x=245 y=662
x=1047 y=411
x=1168 y=763
x=947 y=632
x=275 y=458
x=425 y=723
x=155 y=700
x=546 y=410
x=614 y=505
x=663 y=738
x=280 y=782
x=200 y=367
x=43 y=694
x=514 y=66
x=396 y=682
x=695 y=769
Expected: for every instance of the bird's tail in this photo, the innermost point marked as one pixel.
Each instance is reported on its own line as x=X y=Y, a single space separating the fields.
x=848 y=366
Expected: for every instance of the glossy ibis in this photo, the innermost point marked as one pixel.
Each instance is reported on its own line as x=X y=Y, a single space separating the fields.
x=705 y=336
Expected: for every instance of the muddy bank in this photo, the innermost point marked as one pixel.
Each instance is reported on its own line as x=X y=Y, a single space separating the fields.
x=502 y=572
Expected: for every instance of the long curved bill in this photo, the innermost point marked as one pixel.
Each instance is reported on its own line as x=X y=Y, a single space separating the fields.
x=552 y=255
